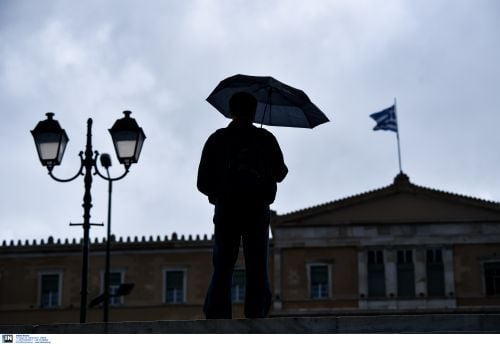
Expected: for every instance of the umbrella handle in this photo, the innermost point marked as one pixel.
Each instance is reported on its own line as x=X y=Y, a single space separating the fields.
x=269 y=102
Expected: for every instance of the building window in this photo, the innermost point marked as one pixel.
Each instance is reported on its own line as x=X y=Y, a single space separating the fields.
x=435 y=272
x=492 y=278
x=174 y=286
x=376 y=273
x=238 y=286
x=319 y=281
x=50 y=290
x=116 y=278
x=406 y=273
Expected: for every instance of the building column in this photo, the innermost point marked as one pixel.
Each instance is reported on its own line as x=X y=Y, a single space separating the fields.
x=391 y=277
x=449 y=276
x=362 y=278
x=420 y=272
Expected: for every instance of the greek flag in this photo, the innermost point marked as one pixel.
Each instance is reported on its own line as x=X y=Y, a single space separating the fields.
x=386 y=119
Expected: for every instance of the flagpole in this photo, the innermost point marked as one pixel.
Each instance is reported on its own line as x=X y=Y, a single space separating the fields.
x=397 y=136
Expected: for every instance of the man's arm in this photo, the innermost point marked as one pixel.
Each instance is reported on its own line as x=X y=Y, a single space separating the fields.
x=279 y=168
x=206 y=182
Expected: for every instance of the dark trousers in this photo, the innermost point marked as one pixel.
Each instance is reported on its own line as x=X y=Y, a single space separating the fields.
x=233 y=224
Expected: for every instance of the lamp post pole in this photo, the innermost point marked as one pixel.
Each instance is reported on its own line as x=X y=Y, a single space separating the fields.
x=51 y=140
x=106 y=162
x=108 y=256
x=87 y=205
x=87 y=163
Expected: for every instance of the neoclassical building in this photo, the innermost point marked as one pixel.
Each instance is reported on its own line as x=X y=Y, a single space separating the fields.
x=402 y=248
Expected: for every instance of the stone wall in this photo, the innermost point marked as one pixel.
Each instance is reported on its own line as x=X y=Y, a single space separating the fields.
x=456 y=323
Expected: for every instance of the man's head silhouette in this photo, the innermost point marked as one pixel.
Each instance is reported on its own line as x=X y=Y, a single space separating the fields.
x=242 y=106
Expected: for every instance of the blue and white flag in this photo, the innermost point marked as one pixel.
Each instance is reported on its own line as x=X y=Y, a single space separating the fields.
x=386 y=119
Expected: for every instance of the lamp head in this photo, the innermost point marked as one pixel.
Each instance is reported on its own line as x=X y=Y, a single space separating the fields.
x=50 y=140
x=128 y=138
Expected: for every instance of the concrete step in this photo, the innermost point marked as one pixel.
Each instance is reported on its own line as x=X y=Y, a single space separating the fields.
x=436 y=323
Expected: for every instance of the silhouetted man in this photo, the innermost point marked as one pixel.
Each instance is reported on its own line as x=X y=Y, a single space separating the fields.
x=239 y=168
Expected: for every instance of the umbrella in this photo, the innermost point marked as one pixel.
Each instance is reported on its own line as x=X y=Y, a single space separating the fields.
x=278 y=104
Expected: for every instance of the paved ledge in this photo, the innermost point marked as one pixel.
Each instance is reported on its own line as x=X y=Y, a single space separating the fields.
x=438 y=323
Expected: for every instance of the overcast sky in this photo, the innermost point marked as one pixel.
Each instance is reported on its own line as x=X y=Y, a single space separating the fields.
x=161 y=59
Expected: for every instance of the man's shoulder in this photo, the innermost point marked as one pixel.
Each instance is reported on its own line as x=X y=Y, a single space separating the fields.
x=265 y=134
x=263 y=131
x=217 y=134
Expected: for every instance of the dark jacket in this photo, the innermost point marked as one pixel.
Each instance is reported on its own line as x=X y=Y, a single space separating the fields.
x=222 y=146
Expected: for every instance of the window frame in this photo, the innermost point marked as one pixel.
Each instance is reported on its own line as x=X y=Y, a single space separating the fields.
x=309 y=266
x=435 y=263
x=245 y=280
x=408 y=266
x=184 y=285
x=383 y=270
x=483 y=276
x=60 y=275
x=122 y=279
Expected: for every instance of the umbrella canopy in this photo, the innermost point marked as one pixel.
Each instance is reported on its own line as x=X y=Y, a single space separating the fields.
x=277 y=103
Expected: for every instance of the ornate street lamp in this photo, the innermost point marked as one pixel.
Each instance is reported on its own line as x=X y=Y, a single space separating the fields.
x=51 y=139
x=128 y=138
